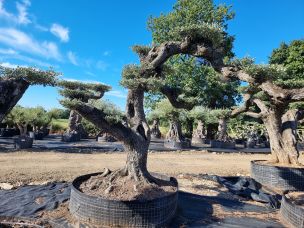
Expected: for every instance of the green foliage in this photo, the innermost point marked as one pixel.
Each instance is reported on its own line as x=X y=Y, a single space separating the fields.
x=32 y=75
x=198 y=81
x=58 y=113
x=42 y=118
x=164 y=110
x=132 y=77
x=59 y=125
x=77 y=85
x=200 y=19
x=22 y=116
x=112 y=113
x=90 y=128
x=292 y=58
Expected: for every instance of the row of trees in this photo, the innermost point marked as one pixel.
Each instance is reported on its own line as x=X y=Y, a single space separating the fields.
x=191 y=53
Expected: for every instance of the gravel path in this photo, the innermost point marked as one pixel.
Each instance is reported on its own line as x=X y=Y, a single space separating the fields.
x=19 y=168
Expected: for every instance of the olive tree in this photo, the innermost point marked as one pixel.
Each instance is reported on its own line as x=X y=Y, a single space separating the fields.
x=198 y=39
x=22 y=117
x=278 y=93
x=15 y=81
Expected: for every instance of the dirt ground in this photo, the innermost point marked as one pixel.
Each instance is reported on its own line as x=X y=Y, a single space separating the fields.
x=20 y=168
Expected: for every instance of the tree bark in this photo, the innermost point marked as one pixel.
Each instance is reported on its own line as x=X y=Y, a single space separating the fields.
x=222 y=134
x=75 y=125
x=175 y=131
x=155 y=132
x=200 y=131
x=281 y=130
x=11 y=90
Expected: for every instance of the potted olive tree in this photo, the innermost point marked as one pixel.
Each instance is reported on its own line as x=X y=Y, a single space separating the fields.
x=275 y=95
x=22 y=118
x=15 y=81
x=174 y=138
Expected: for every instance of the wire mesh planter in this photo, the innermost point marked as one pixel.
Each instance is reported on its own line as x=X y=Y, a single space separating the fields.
x=23 y=142
x=177 y=145
x=278 y=177
x=222 y=144
x=291 y=214
x=103 y=212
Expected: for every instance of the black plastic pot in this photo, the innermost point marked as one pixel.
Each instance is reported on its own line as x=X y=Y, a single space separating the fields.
x=71 y=137
x=8 y=132
x=110 y=213
x=291 y=214
x=278 y=177
x=177 y=145
x=39 y=135
x=222 y=144
x=23 y=142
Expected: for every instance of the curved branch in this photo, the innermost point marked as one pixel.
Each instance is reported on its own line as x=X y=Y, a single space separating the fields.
x=244 y=108
x=261 y=105
x=297 y=94
x=157 y=56
x=254 y=115
x=98 y=118
x=172 y=95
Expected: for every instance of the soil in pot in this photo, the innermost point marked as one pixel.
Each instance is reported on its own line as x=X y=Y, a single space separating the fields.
x=125 y=188
x=11 y=222
x=270 y=163
x=296 y=198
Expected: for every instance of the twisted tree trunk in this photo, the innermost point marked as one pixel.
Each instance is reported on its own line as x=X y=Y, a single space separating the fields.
x=75 y=126
x=175 y=131
x=281 y=130
x=222 y=134
x=11 y=90
x=200 y=131
x=155 y=132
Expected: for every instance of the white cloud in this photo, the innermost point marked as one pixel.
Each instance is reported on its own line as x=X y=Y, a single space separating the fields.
x=101 y=65
x=116 y=93
x=21 y=41
x=72 y=58
x=8 y=51
x=22 y=17
x=9 y=65
x=61 y=32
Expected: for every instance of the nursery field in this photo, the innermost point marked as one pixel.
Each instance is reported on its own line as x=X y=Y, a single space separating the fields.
x=26 y=167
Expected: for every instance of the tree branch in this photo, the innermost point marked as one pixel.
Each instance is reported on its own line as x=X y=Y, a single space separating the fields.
x=172 y=95
x=245 y=107
x=98 y=118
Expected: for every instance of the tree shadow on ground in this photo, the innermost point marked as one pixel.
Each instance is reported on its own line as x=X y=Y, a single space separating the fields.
x=198 y=211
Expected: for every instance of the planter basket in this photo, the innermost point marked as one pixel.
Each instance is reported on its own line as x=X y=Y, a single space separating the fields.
x=291 y=214
x=178 y=145
x=196 y=140
x=23 y=142
x=222 y=144
x=71 y=137
x=102 y=212
x=276 y=177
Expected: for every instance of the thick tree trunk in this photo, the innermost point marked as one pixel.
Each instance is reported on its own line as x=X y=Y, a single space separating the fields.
x=155 y=132
x=282 y=135
x=222 y=134
x=11 y=90
x=200 y=131
x=136 y=165
x=189 y=128
x=75 y=125
x=175 y=131
x=23 y=129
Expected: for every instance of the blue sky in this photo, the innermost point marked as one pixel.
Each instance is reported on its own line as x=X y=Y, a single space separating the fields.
x=91 y=40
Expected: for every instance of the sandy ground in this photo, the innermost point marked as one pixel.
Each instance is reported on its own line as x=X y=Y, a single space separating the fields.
x=27 y=167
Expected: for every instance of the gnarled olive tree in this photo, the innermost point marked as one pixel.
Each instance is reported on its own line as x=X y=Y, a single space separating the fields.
x=201 y=40
x=272 y=91
x=15 y=81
